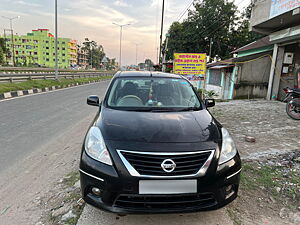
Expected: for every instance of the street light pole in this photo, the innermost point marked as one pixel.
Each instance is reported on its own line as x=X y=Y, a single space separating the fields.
x=121 y=31
x=12 y=34
x=56 y=43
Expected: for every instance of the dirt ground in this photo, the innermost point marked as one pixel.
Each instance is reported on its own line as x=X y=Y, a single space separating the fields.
x=266 y=121
x=275 y=134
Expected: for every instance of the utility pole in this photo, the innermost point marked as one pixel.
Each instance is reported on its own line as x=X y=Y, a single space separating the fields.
x=136 y=53
x=210 y=48
x=161 y=29
x=165 y=53
x=121 y=30
x=56 y=43
x=12 y=35
x=91 y=55
x=157 y=55
x=6 y=49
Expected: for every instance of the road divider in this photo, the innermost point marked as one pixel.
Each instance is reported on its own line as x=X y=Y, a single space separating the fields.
x=33 y=87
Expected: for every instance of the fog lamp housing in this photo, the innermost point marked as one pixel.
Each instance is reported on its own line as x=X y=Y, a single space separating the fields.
x=96 y=191
x=229 y=191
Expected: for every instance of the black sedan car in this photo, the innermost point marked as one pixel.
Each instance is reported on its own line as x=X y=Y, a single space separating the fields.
x=153 y=147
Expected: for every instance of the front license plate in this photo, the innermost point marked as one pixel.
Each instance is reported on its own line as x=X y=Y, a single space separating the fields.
x=167 y=186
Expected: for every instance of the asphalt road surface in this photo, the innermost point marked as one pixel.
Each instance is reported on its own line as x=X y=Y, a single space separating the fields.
x=28 y=122
x=40 y=142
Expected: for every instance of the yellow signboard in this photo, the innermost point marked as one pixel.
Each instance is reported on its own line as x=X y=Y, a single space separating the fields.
x=190 y=63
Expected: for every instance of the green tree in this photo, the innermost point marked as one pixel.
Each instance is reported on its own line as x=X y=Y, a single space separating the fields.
x=96 y=53
x=148 y=64
x=241 y=35
x=216 y=20
x=2 y=51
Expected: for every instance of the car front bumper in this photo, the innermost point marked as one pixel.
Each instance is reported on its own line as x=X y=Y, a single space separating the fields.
x=120 y=191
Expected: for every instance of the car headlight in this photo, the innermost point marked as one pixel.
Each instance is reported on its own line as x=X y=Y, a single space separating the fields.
x=95 y=146
x=228 y=150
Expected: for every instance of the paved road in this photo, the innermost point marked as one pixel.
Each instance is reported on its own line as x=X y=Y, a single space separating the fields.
x=27 y=123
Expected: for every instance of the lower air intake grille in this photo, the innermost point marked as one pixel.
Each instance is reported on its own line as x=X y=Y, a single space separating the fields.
x=162 y=202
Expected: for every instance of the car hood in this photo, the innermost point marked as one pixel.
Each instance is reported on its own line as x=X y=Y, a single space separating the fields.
x=157 y=127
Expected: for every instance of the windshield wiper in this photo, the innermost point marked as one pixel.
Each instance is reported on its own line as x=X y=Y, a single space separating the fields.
x=139 y=110
x=163 y=110
x=189 y=109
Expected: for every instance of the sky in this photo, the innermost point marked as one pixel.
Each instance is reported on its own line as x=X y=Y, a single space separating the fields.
x=94 y=19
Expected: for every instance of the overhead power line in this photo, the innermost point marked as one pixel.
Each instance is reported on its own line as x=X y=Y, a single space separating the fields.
x=185 y=10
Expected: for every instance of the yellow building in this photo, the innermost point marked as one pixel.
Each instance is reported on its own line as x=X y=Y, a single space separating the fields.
x=73 y=52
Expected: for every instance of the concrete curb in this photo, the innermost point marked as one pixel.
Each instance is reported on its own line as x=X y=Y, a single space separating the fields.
x=14 y=94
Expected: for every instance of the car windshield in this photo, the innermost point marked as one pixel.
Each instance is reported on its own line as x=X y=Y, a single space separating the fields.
x=153 y=94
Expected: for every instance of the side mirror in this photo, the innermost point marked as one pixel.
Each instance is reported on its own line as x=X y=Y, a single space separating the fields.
x=93 y=100
x=209 y=103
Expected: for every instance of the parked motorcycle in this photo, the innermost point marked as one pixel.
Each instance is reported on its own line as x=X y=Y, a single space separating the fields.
x=293 y=102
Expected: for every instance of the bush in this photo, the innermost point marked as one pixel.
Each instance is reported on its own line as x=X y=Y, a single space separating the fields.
x=206 y=94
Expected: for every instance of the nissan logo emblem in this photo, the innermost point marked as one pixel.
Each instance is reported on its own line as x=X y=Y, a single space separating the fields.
x=168 y=165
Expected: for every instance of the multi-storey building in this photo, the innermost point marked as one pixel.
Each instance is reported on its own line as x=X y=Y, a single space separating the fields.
x=38 y=47
x=82 y=57
x=72 y=51
x=280 y=20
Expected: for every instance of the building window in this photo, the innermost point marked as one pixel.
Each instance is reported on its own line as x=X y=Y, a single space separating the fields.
x=63 y=54
x=215 y=77
x=47 y=60
x=47 y=53
x=63 y=60
x=47 y=42
x=35 y=53
x=47 y=47
x=63 y=48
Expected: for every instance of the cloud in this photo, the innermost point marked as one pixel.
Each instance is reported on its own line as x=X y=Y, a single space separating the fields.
x=155 y=3
x=121 y=3
x=93 y=19
x=27 y=3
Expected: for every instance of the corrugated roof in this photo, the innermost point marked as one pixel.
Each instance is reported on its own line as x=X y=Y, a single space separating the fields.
x=222 y=66
x=265 y=41
x=222 y=62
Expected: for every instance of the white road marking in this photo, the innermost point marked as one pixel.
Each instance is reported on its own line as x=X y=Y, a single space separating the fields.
x=24 y=96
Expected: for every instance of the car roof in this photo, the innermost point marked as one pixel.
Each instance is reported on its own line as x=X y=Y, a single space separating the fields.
x=146 y=74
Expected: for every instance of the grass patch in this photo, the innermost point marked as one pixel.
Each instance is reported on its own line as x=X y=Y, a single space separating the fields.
x=71 y=178
x=7 y=87
x=256 y=176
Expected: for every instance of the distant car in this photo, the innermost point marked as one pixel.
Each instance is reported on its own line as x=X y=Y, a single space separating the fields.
x=153 y=147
